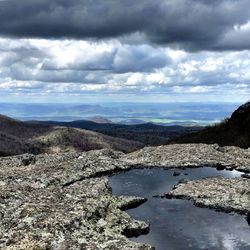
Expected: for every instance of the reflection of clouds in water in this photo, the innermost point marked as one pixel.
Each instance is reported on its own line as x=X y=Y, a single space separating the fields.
x=203 y=228
x=178 y=223
x=229 y=243
x=220 y=238
x=235 y=173
x=145 y=172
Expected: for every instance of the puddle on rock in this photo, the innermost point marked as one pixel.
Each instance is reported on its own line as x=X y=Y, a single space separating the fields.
x=178 y=224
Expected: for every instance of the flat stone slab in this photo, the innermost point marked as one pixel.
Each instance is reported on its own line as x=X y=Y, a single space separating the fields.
x=64 y=202
x=60 y=202
x=191 y=155
x=228 y=195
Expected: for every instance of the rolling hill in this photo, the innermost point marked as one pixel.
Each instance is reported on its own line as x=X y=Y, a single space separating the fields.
x=17 y=137
x=146 y=133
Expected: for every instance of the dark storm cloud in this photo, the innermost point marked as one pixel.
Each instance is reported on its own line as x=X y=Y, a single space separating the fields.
x=189 y=24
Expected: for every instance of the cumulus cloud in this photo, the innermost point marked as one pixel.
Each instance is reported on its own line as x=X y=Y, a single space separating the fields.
x=74 y=67
x=188 y=24
x=112 y=56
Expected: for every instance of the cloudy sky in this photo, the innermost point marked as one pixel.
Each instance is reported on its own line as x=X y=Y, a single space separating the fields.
x=124 y=50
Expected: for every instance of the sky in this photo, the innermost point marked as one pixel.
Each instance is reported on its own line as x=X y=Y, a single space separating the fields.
x=124 y=50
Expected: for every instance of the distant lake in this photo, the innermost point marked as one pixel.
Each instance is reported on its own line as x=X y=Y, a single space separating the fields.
x=178 y=224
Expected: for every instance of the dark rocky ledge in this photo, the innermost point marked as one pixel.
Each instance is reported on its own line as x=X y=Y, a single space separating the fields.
x=64 y=202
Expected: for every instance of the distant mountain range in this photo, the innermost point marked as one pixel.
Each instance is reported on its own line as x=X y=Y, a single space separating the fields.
x=59 y=111
x=234 y=131
x=17 y=137
x=123 y=113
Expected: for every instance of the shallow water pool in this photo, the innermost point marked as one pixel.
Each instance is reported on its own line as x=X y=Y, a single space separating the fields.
x=178 y=224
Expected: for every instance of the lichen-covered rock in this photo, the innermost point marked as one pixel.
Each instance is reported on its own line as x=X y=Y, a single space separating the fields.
x=229 y=195
x=63 y=201
x=59 y=202
x=191 y=155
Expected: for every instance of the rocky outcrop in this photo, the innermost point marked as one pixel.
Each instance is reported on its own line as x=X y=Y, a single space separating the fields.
x=63 y=201
x=219 y=193
x=228 y=195
x=191 y=155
